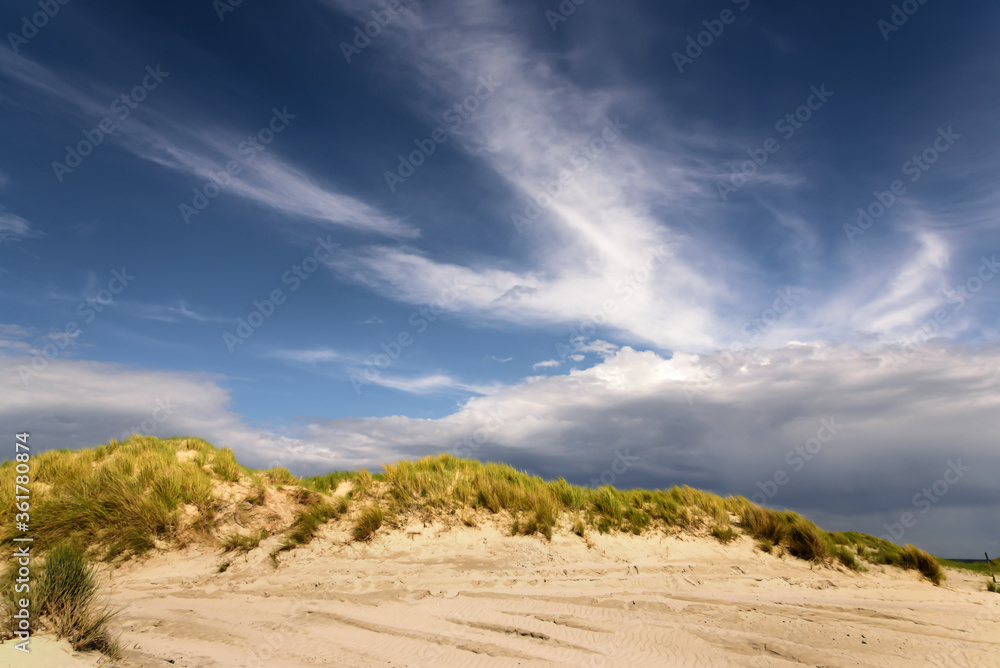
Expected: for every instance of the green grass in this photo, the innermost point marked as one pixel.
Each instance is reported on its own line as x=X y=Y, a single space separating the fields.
x=307 y=524
x=124 y=498
x=241 y=543
x=63 y=601
x=978 y=567
x=918 y=560
x=723 y=534
x=367 y=523
x=992 y=586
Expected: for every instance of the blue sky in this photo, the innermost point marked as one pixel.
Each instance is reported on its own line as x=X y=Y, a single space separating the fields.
x=561 y=239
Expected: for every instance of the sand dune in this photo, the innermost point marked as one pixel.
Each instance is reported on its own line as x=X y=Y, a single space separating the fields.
x=447 y=596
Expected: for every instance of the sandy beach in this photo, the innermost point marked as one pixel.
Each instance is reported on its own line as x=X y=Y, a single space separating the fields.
x=459 y=596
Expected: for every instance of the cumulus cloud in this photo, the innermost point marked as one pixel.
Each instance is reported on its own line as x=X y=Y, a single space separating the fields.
x=852 y=430
x=74 y=404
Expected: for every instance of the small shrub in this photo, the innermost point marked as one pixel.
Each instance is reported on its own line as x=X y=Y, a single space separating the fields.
x=367 y=523
x=992 y=586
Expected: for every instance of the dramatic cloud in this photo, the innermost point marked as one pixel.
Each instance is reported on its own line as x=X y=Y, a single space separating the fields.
x=599 y=253
x=861 y=432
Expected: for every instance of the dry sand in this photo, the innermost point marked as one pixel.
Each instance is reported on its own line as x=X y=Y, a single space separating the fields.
x=448 y=596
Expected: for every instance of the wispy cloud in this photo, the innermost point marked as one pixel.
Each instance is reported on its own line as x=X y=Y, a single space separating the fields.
x=174 y=312
x=314 y=356
x=433 y=384
x=13 y=228
x=193 y=147
x=596 y=235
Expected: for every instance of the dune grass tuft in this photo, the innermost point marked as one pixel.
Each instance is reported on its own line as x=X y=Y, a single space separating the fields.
x=240 y=543
x=307 y=524
x=124 y=498
x=367 y=523
x=805 y=542
x=918 y=560
x=723 y=534
x=992 y=586
x=64 y=601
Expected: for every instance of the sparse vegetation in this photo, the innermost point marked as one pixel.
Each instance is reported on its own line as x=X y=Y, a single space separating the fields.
x=980 y=567
x=124 y=498
x=846 y=557
x=723 y=534
x=367 y=523
x=992 y=586
x=64 y=601
x=241 y=543
x=308 y=522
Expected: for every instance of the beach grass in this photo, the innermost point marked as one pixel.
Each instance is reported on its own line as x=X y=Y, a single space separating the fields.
x=63 y=601
x=124 y=498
